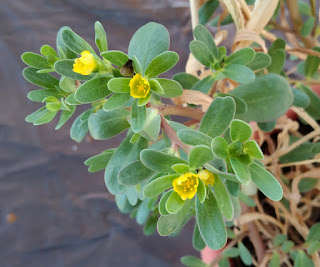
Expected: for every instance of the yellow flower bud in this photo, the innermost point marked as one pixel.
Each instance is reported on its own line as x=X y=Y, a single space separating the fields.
x=139 y=86
x=86 y=64
x=207 y=177
x=186 y=185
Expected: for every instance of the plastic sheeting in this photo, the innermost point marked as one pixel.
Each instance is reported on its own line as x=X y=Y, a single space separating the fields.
x=64 y=215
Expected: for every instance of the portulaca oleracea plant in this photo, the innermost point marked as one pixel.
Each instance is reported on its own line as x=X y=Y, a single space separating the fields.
x=165 y=173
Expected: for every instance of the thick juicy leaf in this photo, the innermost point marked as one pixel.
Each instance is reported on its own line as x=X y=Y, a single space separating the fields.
x=193 y=137
x=220 y=147
x=174 y=203
x=171 y=88
x=206 y=11
x=159 y=161
x=241 y=170
x=99 y=162
x=223 y=199
x=138 y=116
x=41 y=79
x=116 y=101
x=301 y=99
x=134 y=173
x=202 y=34
x=252 y=148
x=210 y=222
x=40 y=95
x=65 y=116
x=239 y=73
x=278 y=57
x=35 y=60
x=199 y=155
x=192 y=261
x=125 y=154
x=266 y=182
x=218 y=117
x=93 y=90
x=186 y=80
x=64 y=67
x=105 y=124
x=205 y=84
x=311 y=64
x=100 y=37
x=116 y=57
x=240 y=131
x=63 y=50
x=197 y=240
x=242 y=56
x=313 y=107
x=201 y=191
x=245 y=254
x=163 y=201
x=148 y=42
x=79 y=128
x=267 y=98
x=260 y=61
x=75 y=43
x=162 y=63
x=119 y=85
x=159 y=185
x=201 y=52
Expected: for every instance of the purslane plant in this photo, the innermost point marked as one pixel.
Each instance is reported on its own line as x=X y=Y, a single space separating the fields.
x=164 y=173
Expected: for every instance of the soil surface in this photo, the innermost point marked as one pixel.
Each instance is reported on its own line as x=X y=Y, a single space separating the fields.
x=52 y=211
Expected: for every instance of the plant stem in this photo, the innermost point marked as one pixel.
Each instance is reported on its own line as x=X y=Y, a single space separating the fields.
x=175 y=141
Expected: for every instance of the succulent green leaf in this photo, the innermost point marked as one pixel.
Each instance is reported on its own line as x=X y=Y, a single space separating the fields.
x=93 y=90
x=266 y=182
x=75 y=43
x=267 y=98
x=44 y=80
x=239 y=73
x=162 y=203
x=100 y=37
x=219 y=147
x=105 y=124
x=119 y=85
x=193 y=137
x=252 y=148
x=180 y=168
x=307 y=26
x=201 y=52
x=205 y=84
x=125 y=154
x=314 y=232
x=240 y=131
x=159 y=185
x=197 y=240
x=311 y=64
x=64 y=67
x=202 y=34
x=79 y=128
x=301 y=99
x=70 y=100
x=159 y=161
x=260 y=61
x=186 y=80
x=201 y=191
x=138 y=116
x=171 y=88
x=65 y=116
x=134 y=174
x=206 y=11
x=162 y=63
x=241 y=106
x=100 y=161
x=174 y=203
x=218 y=116
x=63 y=50
x=223 y=199
x=278 y=58
x=116 y=101
x=210 y=222
x=245 y=254
x=35 y=60
x=199 y=155
x=243 y=56
x=192 y=261
x=241 y=170
x=156 y=87
x=39 y=95
x=302 y=260
x=116 y=57
x=148 y=42
x=313 y=107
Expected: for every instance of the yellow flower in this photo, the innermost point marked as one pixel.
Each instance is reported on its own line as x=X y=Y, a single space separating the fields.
x=139 y=86
x=207 y=177
x=86 y=64
x=186 y=185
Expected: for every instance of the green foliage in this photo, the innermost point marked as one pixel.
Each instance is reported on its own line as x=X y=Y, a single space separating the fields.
x=100 y=37
x=206 y=11
x=100 y=161
x=192 y=261
x=199 y=155
x=161 y=64
x=116 y=57
x=239 y=73
x=267 y=98
x=74 y=42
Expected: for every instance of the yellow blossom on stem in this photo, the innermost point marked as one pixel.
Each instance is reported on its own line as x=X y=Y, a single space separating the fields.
x=186 y=185
x=207 y=177
x=86 y=64
x=139 y=86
